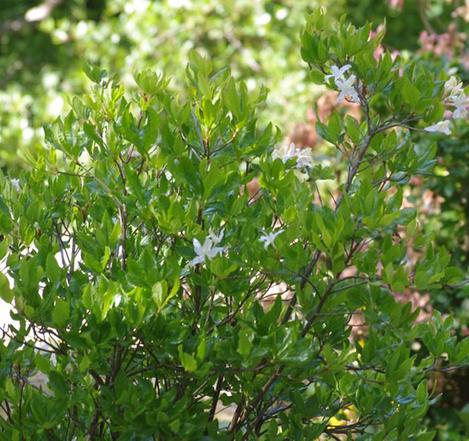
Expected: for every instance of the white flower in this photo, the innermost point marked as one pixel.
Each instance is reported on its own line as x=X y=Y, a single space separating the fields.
x=345 y=86
x=304 y=157
x=15 y=183
x=284 y=152
x=442 y=126
x=460 y=103
x=456 y=97
x=269 y=238
x=347 y=90
x=214 y=237
x=338 y=73
x=453 y=88
x=207 y=250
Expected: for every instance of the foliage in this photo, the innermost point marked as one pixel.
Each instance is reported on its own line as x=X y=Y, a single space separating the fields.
x=44 y=62
x=444 y=201
x=42 y=55
x=161 y=289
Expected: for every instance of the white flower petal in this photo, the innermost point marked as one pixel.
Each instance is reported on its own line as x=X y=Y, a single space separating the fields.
x=214 y=237
x=439 y=127
x=214 y=251
x=460 y=112
x=338 y=73
x=196 y=260
x=269 y=238
x=453 y=87
x=197 y=246
x=347 y=89
x=15 y=183
x=341 y=97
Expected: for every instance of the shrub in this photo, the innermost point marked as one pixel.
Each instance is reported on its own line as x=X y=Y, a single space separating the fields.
x=151 y=288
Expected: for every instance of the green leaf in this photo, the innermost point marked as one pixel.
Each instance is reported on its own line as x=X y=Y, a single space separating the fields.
x=94 y=72
x=6 y=293
x=428 y=436
x=189 y=363
x=158 y=293
x=409 y=92
x=353 y=129
x=61 y=313
x=53 y=270
x=316 y=76
x=105 y=258
x=202 y=348
x=244 y=343
x=150 y=82
x=42 y=363
x=232 y=99
x=462 y=352
x=334 y=127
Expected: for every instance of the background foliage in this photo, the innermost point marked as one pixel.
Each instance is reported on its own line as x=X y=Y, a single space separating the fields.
x=42 y=60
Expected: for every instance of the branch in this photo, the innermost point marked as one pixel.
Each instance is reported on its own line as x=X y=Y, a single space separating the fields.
x=216 y=395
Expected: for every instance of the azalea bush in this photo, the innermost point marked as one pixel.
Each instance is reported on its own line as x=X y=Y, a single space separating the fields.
x=156 y=290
